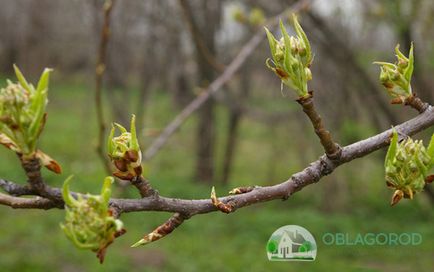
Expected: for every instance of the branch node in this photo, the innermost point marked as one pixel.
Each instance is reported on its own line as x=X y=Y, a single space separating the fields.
x=223 y=207
x=242 y=190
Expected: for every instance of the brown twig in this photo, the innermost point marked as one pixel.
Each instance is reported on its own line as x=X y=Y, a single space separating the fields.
x=170 y=225
x=332 y=149
x=416 y=103
x=14 y=189
x=216 y=85
x=32 y=168
x=143 y=186
x=27 y=203
x=99 y=73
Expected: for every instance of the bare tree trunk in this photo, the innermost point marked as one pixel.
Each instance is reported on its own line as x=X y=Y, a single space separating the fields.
x=210 y=13
x=235 y=116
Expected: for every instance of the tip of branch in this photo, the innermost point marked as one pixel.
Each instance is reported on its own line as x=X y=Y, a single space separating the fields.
x=140 y=243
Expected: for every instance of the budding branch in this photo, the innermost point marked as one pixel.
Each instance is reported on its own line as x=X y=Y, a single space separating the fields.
x=311 y=174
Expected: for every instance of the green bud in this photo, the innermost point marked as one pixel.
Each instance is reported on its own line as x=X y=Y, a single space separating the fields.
x=292 y=57
x=89 y=223
x=124 y=151
x=22 y=111
x=397 y=77
x=407 y=165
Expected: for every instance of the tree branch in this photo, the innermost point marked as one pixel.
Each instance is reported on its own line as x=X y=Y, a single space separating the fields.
x=332 y=150
x=16 y=190
x=27 y=203
x=311 y=174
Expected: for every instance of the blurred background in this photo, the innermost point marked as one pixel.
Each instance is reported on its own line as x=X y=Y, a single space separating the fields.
x=160 y=56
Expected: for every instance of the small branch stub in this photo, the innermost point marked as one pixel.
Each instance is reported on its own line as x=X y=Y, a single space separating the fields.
x=226 y=208
x=242 y=190
x=170 y=225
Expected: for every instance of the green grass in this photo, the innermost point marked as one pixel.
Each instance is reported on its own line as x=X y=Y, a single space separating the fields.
x=353 y=200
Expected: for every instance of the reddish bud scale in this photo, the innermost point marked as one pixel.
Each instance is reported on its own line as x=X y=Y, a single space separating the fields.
x=282 y=74
x=54 y=166
x=429 y=179
x=121 y=165
x=131 y=156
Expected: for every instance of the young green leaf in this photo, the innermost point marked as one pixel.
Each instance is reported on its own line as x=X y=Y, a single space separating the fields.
x=391 y=152
x=22 y=79
x=69 y=200
x=301 y=34
x=273 y=42
x=134 y=141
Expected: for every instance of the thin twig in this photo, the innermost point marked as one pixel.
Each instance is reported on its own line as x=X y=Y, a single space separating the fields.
x=416 y=103
x=14 y=189
x=99 y=73
x=332 y=149
x=143 y=186
x=216 y=85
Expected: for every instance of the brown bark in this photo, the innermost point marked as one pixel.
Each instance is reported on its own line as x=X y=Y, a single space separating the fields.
x=332 y=149
x=416 y=103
